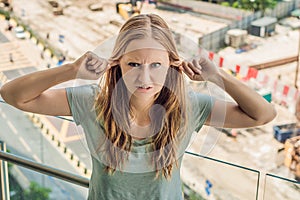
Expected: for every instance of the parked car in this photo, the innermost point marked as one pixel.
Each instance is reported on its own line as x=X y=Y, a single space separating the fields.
x=19 y=32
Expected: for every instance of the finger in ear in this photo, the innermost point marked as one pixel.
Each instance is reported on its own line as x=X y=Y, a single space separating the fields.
x=176 y=63
x=113 y=63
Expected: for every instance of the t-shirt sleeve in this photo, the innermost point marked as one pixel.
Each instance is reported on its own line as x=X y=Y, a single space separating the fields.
x=81 y=101
x=200 y=108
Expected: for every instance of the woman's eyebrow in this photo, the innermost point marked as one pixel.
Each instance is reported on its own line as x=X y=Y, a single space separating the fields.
x=139 y=60
x=129 y=58
x=158 y=58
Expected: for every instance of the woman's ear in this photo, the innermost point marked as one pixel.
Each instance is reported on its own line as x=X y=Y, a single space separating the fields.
x=113 y=63
x=176 y=63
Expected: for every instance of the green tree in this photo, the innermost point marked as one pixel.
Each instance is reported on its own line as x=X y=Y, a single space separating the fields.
x=257 y=5
x=265 y=4
x=36 y=192
x=225 y=3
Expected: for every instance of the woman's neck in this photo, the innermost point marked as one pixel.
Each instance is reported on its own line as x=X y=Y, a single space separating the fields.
x=140 y=111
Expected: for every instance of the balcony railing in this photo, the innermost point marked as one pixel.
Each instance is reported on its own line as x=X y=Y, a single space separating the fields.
x=287 y=185
x=217 y=179
x=45 y=169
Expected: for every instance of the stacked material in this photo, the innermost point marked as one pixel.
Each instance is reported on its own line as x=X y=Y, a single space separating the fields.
x=292 y=155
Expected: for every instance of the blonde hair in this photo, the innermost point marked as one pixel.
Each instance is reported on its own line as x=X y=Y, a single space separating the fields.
x=171 y=97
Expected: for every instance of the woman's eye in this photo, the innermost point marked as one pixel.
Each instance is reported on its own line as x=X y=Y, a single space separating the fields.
x=132 y=64
x=155 y=65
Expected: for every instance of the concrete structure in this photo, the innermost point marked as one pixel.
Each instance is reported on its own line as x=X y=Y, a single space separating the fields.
x=236 y=37
x=263 y=27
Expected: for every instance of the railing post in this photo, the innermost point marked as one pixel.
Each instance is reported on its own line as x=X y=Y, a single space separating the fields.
x=4 y=182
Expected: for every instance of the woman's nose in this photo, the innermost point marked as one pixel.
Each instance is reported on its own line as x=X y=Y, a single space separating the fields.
x=144 y=75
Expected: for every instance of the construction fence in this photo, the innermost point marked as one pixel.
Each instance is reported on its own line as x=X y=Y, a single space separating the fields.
x=215 y=41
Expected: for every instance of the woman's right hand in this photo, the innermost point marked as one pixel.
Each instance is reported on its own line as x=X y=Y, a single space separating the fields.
x=89 y=66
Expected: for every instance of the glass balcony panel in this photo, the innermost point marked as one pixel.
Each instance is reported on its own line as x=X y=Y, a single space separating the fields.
x=213 y=179
x=278 y=188
x=26 y=135
x=22 y=179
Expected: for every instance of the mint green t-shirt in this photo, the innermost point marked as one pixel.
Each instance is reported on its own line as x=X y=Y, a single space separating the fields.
x=136 y=180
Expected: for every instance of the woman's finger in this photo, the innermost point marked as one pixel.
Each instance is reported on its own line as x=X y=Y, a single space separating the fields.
x=187 y=69
x=92 y=61
x=96 y=64
x=99 y=69
x=193 y=68
x=102 y=67
x=196 y=67
x=91 y=67
x=108 y=66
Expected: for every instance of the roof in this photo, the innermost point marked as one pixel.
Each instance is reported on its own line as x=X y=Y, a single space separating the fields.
x=265 y=21
x=295 y=13
x=237 y=32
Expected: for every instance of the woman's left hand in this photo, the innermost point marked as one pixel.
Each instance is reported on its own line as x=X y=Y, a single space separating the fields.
x=200 y=69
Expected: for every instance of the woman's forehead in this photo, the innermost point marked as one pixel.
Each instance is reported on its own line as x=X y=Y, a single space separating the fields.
x=140 y=44
x=147 y=54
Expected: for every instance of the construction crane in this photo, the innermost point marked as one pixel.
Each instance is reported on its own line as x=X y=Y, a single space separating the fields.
x=128 y=9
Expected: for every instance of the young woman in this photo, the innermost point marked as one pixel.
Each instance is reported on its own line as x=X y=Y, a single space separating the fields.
x=139 y=121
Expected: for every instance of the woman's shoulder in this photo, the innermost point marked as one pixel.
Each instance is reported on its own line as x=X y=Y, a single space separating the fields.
x=88 y=89
x=195 y=96
x=83 y=93
x=197 y=102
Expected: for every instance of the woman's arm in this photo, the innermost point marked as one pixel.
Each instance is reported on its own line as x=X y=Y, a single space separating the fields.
x=31 y=92
x=249 y=109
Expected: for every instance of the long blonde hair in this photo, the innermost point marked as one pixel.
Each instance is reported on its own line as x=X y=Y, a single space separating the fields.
x=110 y=107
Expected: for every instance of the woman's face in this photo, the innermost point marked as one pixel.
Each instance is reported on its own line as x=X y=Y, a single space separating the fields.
x=144 y=68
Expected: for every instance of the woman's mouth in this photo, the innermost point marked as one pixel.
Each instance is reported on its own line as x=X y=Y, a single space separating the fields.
x=144 y=88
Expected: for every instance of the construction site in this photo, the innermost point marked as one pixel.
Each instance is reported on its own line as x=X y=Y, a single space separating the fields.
x=262 y=52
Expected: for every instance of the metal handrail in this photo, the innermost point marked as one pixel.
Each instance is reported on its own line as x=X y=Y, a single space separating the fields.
x=282 y=178
x=45 y=169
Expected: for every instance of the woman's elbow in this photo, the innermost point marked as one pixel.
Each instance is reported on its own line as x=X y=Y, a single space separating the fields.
x=268 y=115
x=8 y=97
x=3 y=93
